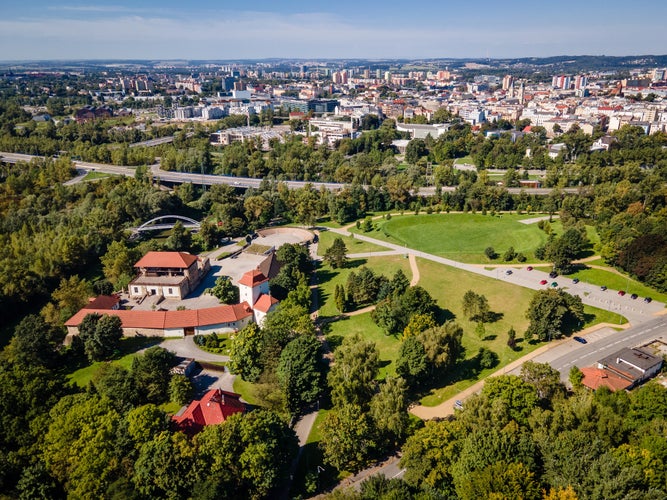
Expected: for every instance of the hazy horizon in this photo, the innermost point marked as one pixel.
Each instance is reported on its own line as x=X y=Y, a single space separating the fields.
x=40 y=30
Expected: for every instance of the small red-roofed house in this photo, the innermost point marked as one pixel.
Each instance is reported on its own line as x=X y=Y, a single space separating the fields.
x=170 y=274
x=595 y=378
x=214 y=408
x=111 y=302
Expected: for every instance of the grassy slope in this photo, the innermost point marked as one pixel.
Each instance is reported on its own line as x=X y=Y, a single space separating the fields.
x=461 y=237
x=353 y=245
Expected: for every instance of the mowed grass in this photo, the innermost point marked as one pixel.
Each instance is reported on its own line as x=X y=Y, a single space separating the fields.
x=127 y=350
x=353 y=245
x=387 y=345
x=328 y=278
x=461 y=237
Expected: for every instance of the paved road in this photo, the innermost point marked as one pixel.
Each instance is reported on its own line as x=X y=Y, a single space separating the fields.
x=239 y=182
x=601 y=344
x=187 y=348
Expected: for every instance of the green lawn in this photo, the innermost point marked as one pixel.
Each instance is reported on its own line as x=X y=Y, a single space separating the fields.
x=92 y=175
x=362 y=324
x=462 y=237
x=127 y=350
x=353 y=245
x=328 y=278
x=465 y=159
x=246 y=390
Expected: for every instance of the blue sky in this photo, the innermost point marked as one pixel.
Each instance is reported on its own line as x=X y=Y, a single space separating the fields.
x=169 y=29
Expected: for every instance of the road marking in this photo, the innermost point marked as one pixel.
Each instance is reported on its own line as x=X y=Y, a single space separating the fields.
x=397 y=474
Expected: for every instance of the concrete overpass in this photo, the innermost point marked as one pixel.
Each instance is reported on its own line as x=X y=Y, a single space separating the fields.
x=170 y=177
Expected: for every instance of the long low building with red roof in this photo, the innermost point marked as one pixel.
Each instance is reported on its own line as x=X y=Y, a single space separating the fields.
x=224 y=318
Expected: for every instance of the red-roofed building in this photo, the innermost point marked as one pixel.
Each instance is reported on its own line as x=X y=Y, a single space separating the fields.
x=103 y=302
x=595 y=378
x=254 y=289
x=170 y=274
x=214 y=408
x=172 y=323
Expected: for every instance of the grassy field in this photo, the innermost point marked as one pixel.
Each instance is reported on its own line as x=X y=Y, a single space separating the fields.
x=464 y=160
x=328 y=278
x=127 y=350
x=92 y=176
x=353 y=245
x=461 y=237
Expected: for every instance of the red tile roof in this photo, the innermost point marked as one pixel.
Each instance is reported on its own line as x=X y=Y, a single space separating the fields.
x=177 y=260
x=597 y=377
x=253 y=278
x=103 y=302
x=159 y=320
x=214 y=408
x=264 y=303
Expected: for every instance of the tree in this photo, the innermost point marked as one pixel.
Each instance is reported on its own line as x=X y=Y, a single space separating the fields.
x=336 y=254
x=339 y=298
x=145 y=423
x=180 y=389
x=35 y=342
x=70 y=296
x=368 y=224
x=544 y=378
x=301 y=372
x=388 y=409
x=165 y=467
x=511 y=338
x=225 y=290
x=575 y=377
x=475 y=307
x=348 y=439
x=500 y=480
x=518 y=397
x=442 y=345
x=118 y=264
x=417 y=324
x=399 y=283
x=550 y=311
x=412 y=364
x=151 y=373
x=486 y=358
x=352 y=375
x=249 y=455
x=245 y=351
x=490 y=253
x=180 y=239
x=117 y=384
x=509 y=255
x=415 y=149
x=100 y=335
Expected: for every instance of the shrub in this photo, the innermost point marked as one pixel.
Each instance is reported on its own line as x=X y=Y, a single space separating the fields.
x=490 y=253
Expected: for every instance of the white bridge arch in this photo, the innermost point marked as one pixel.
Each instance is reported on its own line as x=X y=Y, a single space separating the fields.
x=157 y=224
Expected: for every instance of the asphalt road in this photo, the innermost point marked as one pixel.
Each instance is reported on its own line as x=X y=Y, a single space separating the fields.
x=239 y=182
x=602 y=344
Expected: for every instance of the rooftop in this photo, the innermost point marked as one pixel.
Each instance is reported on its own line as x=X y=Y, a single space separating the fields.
x=178 y=260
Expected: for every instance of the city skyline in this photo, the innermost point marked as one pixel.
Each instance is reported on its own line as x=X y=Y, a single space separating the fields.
x=41 y=30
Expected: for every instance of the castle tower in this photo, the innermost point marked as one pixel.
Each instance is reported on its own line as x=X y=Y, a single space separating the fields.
x=251 y=285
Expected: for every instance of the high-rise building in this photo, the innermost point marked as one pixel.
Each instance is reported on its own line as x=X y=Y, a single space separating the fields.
x=508 y=81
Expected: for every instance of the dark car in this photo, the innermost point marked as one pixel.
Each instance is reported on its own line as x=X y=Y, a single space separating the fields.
x=581 y=340
x=603 y=288
x=575 y=280
x=621 y=293
x=458 y=404
x=648 y=300
x=554 y=284
x=509 y=271
x=553 y=274
x=633 y=296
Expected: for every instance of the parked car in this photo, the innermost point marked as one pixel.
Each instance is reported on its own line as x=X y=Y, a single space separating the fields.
x=603 y=288
x=554 y=284
x=633 y=296
x=543 y=282
x=458 y=404
x=508 y=272
x=575 y=280
x=529 y=268
x=621 y=293
x=553 y=274
x=648 y=300
x=581 y=340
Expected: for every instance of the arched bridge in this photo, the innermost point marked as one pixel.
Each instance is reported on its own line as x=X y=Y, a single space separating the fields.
x=167 y=222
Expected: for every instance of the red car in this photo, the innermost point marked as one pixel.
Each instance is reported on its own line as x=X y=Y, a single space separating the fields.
x=543 y=282
x=621 y=293
x=529 y=268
